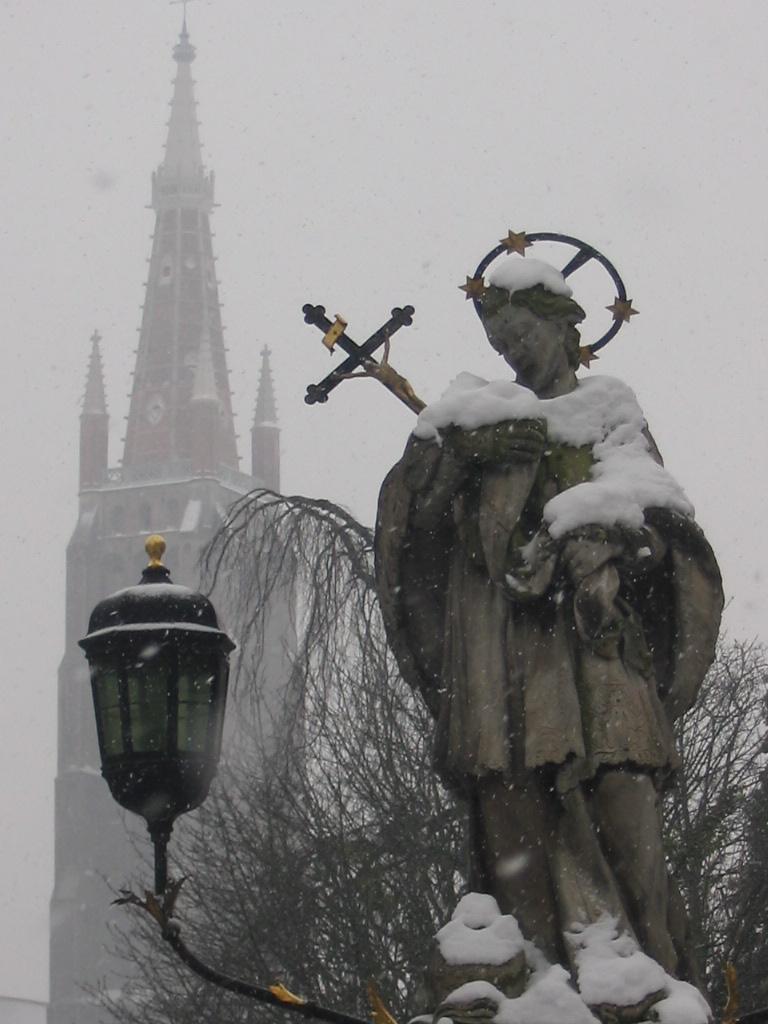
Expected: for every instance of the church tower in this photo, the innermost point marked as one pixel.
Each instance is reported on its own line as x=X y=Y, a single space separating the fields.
x=179 y=472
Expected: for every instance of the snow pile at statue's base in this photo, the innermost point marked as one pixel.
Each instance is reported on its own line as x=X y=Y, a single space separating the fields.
x=613 y=971
x=612 y=974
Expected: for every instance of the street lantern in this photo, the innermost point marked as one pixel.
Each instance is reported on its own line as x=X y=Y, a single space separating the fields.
x=159 y=667
x=159 y=671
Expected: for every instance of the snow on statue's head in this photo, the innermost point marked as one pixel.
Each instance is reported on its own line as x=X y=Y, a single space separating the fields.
x=536 y=286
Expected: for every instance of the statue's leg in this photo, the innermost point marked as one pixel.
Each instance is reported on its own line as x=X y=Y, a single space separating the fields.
x=512 y=824
x=585 y=885
x=625 y=808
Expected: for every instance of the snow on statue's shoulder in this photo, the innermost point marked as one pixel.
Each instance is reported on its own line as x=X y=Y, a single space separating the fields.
x=516 y=275
x=625 y=479
x=602 y=413
x=470 y=402
x=589 y=413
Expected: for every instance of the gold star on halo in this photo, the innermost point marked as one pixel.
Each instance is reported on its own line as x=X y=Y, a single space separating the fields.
x=516 y=241
x=622 y=310
x=474 y=288
x=587 y=356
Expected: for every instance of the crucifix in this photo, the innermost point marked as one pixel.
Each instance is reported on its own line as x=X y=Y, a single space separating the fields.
x=360 y=361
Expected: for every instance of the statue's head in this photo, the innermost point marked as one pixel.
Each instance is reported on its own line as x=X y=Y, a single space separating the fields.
x=533 y=327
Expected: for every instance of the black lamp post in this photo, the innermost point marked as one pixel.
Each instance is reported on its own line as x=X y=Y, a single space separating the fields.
x=159 y=670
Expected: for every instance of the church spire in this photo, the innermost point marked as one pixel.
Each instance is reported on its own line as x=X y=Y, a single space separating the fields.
x=266 y=408
x=182 y=301
x=95 y=398
x=265 y=433
x=181 y=176
x=94 y=421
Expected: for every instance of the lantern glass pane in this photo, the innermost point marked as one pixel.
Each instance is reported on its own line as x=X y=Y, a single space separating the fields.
x=106 y=696
x=197 y=677
x=149 y=676
x=217 y=717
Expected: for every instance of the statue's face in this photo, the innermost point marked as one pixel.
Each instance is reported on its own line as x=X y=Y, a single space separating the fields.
x=534 y=347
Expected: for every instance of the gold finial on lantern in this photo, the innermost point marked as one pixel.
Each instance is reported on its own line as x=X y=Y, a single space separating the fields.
x=154 y=545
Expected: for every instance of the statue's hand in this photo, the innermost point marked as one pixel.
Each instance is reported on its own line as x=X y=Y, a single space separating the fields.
x=589 y=548
x=630 y=549
x=594 y=559
x=598 y=618
x=501 y=443
x=531 y=568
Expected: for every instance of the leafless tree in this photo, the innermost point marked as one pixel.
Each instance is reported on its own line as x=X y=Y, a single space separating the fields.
x=713 y=816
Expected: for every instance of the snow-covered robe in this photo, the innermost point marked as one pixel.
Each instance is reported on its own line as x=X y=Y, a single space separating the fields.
x=544 y=584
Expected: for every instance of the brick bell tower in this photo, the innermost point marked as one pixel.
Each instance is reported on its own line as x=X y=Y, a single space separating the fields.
x=178 y=474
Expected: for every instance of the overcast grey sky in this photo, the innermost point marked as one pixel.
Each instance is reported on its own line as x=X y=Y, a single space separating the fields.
x=366 y=155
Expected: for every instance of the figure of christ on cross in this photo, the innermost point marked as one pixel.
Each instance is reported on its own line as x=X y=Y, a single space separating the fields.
x=360 y=361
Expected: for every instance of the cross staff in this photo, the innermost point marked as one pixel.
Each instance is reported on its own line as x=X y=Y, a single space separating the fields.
x=360 y=361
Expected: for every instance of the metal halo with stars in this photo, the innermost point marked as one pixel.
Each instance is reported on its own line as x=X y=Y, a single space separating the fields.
x=518 y=242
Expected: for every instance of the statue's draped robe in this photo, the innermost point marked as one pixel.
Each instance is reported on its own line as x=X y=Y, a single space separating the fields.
x=550 y=659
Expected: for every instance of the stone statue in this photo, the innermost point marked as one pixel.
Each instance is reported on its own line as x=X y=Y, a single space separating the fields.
x=546 y=589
